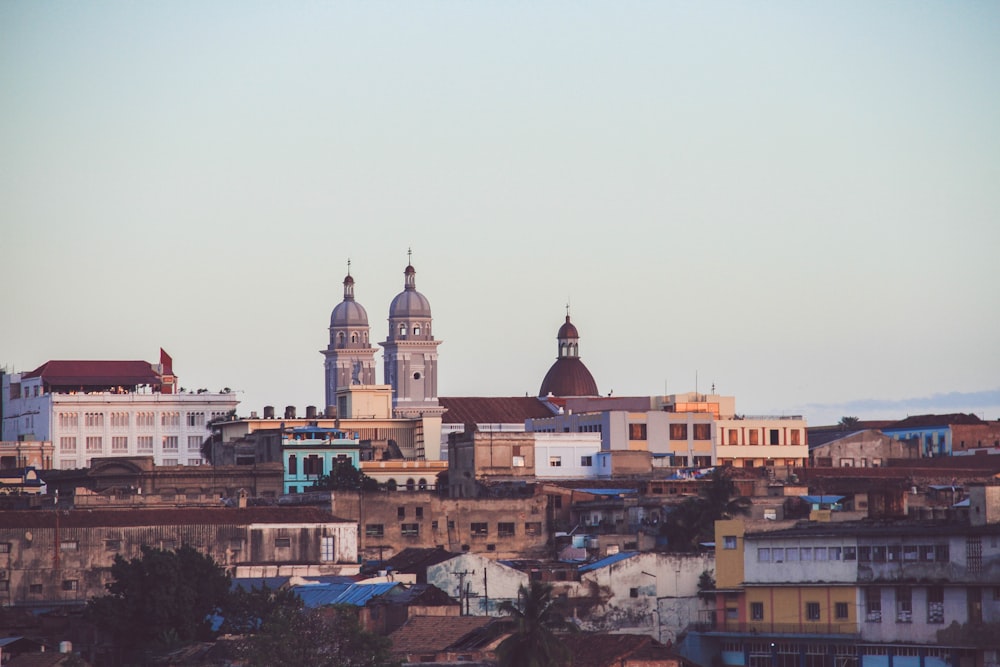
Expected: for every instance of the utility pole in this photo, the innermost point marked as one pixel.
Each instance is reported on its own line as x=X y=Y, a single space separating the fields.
x=463 y=593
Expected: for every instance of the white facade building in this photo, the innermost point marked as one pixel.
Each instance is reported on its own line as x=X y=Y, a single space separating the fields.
x=566 y=455
x=89 y=409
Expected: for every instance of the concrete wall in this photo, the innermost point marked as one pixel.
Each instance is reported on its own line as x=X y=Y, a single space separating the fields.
x=387 y=522
x=571 y=450
x=649 y=593
x=478 y=583
x=865 y=449
x=69 y=563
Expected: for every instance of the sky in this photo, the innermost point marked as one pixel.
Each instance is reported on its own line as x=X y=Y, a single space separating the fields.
x=797 y=204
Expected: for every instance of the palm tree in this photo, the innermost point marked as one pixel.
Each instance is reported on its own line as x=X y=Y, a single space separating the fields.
x=849 y=423
x=534 y=642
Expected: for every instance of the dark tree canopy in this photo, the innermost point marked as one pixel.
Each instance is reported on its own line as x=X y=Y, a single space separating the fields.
x=693 y=521
x=160 y=597
x=534 y=642
x=345 y=477
x=246 y=611
x=849 y=422
x=323 y=637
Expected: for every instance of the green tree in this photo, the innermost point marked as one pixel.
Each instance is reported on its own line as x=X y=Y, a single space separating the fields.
x=534 y=642
x=345 y=477
x=246 y=611
x=160 y=598
x=693 y=521
x=848 y=423
x=322 y=637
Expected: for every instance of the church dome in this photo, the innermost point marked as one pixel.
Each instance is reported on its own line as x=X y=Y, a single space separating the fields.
x=349 y=313
x=568 y=376
x=568 y=330
x=410 y=303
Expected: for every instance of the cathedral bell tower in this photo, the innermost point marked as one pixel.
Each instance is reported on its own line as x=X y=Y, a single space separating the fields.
x=350 y=357
x=410 y=352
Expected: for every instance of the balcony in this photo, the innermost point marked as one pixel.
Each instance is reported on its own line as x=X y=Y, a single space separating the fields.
x=841 y=629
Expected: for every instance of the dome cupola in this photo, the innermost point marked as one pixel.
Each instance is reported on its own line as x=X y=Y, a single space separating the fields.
x=568 y=376
x=349 y=313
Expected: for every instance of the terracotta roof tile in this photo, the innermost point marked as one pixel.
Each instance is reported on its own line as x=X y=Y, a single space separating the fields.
x=430 y=634
x=95 y=373
x=493 y=410
x=600 y=650
x=930 y=421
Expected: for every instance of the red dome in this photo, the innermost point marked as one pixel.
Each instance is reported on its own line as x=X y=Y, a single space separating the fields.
x=568 y=376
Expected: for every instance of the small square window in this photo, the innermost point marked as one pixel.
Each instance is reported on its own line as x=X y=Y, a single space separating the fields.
x=633 y=592
x=729 y=542
x=35 y=588
x=282 y=542
x=70 y=584
x=419 y=512
x=812 y=611
x=756 y=611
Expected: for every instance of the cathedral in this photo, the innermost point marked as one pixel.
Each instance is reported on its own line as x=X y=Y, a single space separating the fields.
x=410 y=353
x=409 y=350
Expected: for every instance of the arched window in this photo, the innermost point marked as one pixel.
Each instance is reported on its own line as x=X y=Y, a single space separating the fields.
x=293 y=465
x=390 y=485
x=416 y=329
x=402 y=329
x=354 y=337
x=409 y=484
x=340 y=339
x=422 y=484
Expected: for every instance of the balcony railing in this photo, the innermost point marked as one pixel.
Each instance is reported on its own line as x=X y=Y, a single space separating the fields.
x=767 y=628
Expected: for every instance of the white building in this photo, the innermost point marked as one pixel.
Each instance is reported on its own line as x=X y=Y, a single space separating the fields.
x=88 y=409
x=689 y=430
x=566 y=455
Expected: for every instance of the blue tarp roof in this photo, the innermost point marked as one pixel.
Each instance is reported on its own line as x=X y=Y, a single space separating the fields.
x=822 y=500
x=604 y=562
x=320 y=595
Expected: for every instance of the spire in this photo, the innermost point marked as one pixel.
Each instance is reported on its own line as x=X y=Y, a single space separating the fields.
x=410 y=282
x=348 y=284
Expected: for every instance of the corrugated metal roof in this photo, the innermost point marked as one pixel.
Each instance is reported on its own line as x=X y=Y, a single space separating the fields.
x=604 y=562
x=321 y=595
x=822 y=500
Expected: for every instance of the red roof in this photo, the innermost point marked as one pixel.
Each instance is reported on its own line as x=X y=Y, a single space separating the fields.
x=568 y=377
x=493 y=410
x=95 y=373
x=164 y=517
x=605 y=650
x=931 y=421
x=430 y=634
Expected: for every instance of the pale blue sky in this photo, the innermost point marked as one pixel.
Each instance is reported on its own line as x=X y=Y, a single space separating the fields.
x=799 y=202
